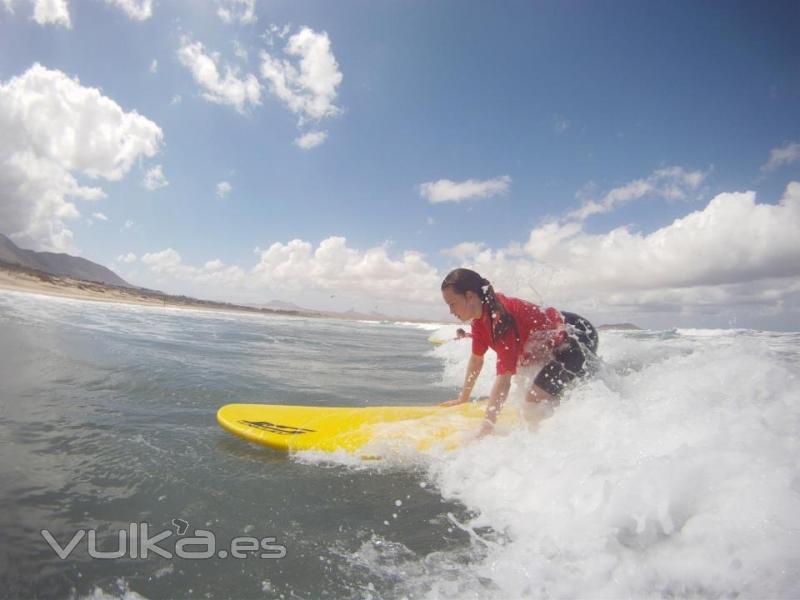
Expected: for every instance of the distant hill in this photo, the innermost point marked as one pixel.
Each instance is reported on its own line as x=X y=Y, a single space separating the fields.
x=58 y=264
x=279 y=304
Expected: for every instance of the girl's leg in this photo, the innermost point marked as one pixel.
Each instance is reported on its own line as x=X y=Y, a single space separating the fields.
x=537 y=394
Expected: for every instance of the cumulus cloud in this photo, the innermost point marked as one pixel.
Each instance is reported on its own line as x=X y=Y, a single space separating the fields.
x=128 y=258
x=154 y=66
x=671 y=183
x=307 y=80
x=168 y=263
x=274 y=33
x=237 y=11
x=333 y=266
x=56 y=130
x=297 y=267
x=735 y=254
x=464 y=250
x=311 y=139
x=445 y=190
x=232 y=89
x=239 y=51
x=99 y=216
x=138 y=10
x=223 y=189
x=785 y=155
x=735 y=251
x=154 y=179
x=46 y=12
x=52 y=12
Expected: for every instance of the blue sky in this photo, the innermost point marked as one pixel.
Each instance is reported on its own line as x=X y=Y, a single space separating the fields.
x=648 y=111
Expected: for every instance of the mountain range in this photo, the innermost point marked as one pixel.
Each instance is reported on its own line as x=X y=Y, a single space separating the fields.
x=58 y=264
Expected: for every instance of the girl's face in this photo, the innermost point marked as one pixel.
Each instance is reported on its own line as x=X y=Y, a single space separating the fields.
x=465 y=307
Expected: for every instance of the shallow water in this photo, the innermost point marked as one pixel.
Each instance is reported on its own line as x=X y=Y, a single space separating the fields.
x=673 y=473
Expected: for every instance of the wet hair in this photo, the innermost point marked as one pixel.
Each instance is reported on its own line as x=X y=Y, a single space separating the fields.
x=467 y=280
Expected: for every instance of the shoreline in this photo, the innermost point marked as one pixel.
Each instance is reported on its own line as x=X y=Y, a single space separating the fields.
x=21 y=279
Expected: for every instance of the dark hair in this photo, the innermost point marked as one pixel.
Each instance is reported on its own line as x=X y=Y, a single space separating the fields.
x=467 y=280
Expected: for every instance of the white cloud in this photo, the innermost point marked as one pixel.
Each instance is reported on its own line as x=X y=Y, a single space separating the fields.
x=138 y=10
x=128 y=224
x=223 y=189
x=51 y=12
x=445 y=190
x=297 y=268
x=168 y=263
x=785 y=155
x=308 y=86
x=55 y=130
x=230 y=90
x=311 y=139
x=154 y=66
x=237 y=11
x=154 y=179
x=128 y=258
x=239 y=51
x=733 y=257
x=176 y=99
x=333 y=266
x=560 y=125
x=99 y=216
x=464 y=250
x=671 y=183
x=273 y=31
x=734 y=252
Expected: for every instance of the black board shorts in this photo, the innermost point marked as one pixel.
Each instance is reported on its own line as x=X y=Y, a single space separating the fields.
x=573 y=358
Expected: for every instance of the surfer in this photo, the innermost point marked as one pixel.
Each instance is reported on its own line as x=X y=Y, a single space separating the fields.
x=461 y=334
x=522 y=334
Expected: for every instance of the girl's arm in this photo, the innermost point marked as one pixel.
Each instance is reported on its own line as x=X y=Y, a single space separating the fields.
x=502 y=384
x=473 y=370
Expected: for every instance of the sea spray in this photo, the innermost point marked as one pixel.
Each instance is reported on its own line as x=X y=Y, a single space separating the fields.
x=677 y=477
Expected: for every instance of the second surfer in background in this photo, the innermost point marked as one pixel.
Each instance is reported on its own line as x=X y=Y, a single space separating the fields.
x=521 y=333
x=461 y=334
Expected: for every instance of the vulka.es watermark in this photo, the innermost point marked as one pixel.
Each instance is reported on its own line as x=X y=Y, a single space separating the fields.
x=137 y=542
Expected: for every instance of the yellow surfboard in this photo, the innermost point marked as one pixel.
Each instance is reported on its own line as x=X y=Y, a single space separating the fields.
x=351 y=429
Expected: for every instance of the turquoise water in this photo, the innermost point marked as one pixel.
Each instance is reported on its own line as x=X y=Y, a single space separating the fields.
x=673 y=473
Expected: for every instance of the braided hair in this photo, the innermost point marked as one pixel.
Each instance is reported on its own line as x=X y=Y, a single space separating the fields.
x=466 y=280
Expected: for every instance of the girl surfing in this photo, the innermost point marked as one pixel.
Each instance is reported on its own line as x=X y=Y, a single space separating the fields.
x=522 y=334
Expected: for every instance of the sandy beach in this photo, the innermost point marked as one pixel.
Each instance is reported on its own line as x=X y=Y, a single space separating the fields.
x=66 y=287
x=13 y=277
x=24 y=280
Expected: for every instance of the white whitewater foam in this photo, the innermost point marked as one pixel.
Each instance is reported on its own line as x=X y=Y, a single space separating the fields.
x=421 y=326
x=674 y=473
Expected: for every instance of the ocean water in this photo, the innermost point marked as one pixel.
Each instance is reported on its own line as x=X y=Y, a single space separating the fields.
x=673 y=473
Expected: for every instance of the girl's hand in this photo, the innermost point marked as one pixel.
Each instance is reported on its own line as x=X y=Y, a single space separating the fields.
x=487 y=427
x=452 y=402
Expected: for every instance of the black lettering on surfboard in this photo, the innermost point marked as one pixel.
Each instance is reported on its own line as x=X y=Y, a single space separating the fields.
x=275 y=428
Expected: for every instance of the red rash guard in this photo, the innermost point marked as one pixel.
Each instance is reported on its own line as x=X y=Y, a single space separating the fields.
x=540 y=330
